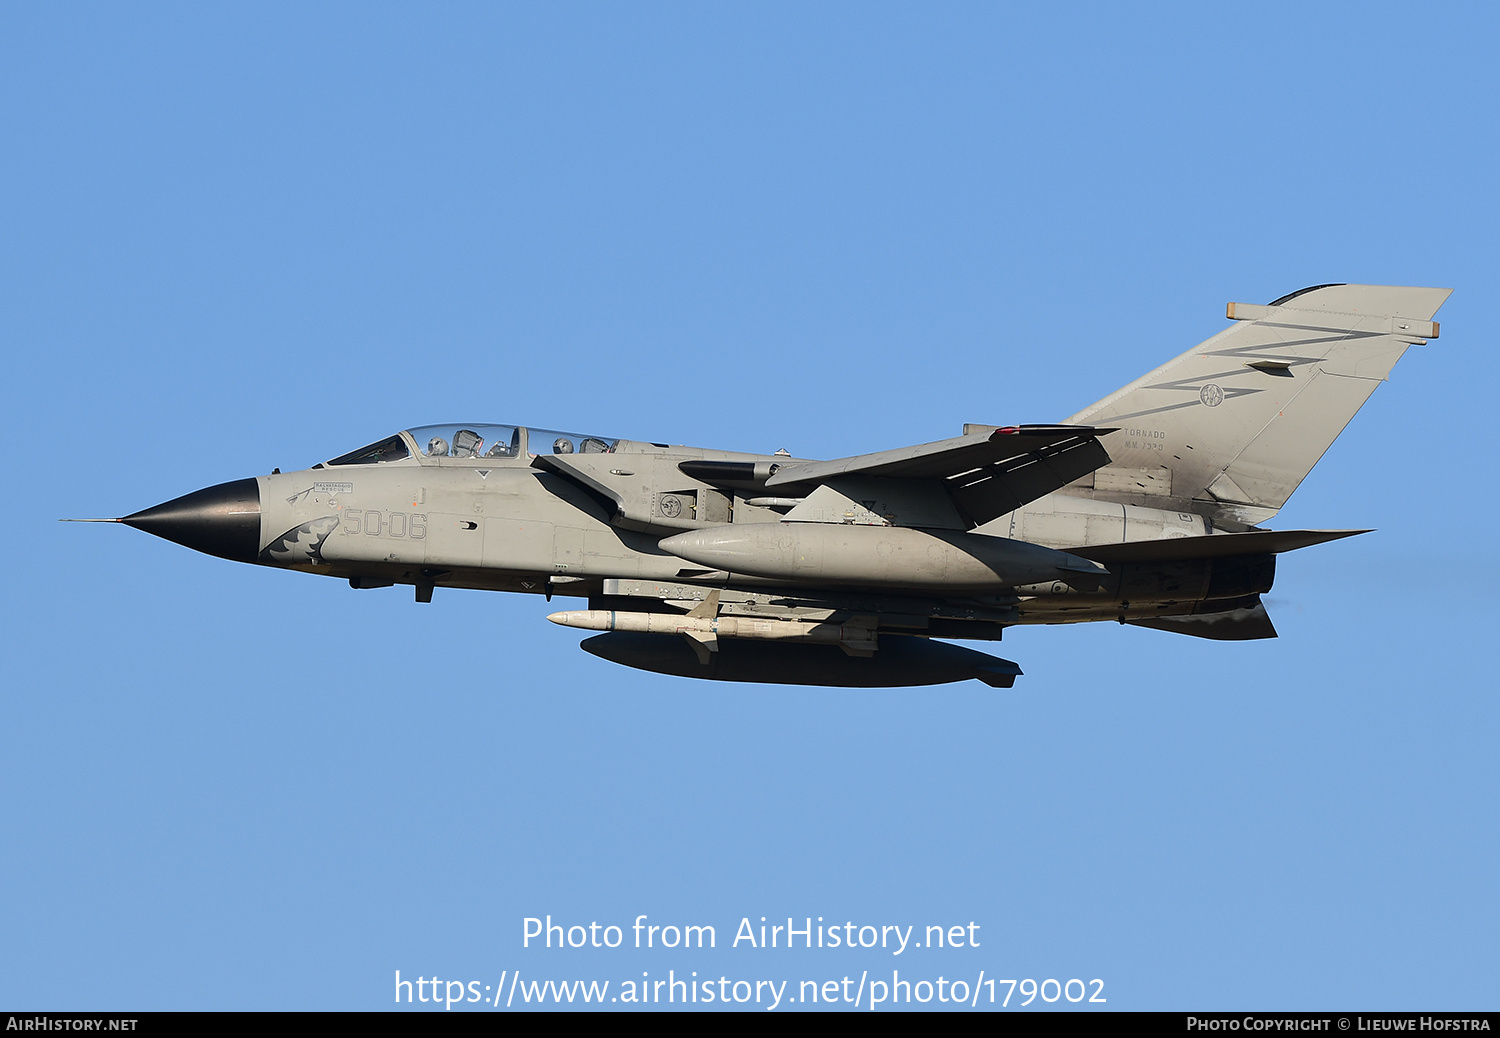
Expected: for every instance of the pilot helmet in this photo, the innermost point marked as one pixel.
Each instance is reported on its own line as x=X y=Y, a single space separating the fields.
x=437 y=447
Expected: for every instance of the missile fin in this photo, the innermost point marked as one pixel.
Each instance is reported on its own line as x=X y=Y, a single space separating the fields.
x=858 y=637
x=708 y=608
x=702 y=644
x=859 y=648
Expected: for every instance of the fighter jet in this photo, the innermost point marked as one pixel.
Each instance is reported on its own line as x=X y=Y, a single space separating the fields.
x=1144 y=508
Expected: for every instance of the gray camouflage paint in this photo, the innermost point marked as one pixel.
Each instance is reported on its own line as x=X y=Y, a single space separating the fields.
x=1202 y=448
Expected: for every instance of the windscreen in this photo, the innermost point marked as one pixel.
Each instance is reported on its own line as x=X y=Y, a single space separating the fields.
x=392 y=448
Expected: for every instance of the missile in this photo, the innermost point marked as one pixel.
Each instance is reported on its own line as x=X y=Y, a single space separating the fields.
x=855 y=636
x=903 y=660
x=879 y=556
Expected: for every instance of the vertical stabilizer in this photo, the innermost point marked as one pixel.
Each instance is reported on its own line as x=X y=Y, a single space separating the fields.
x=1237 y=422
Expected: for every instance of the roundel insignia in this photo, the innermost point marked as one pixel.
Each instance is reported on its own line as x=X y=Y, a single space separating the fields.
x=671 y=506
x=1211 y=395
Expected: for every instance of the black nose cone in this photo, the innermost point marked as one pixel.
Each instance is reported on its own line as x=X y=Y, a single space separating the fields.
x=222 y=520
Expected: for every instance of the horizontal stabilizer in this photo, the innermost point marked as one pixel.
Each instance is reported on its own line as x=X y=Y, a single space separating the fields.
x=1246 y=623
x=1214 y=546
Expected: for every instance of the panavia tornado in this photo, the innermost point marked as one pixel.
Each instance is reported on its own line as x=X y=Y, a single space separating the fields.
x=1144 y=508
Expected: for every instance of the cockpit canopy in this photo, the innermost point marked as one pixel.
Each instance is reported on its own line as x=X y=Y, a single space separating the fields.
x=475 y=441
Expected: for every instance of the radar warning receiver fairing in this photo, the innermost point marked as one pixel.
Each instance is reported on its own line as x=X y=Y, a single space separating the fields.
x=1145 y=508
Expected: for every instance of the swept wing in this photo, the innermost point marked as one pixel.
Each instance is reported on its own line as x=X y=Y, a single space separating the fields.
x=983 y=474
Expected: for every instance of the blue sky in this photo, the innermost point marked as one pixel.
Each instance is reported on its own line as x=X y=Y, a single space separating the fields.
x=242 y=238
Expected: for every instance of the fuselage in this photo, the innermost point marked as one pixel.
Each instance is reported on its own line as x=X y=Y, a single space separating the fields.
x=591 y=524
x=1145 y=507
